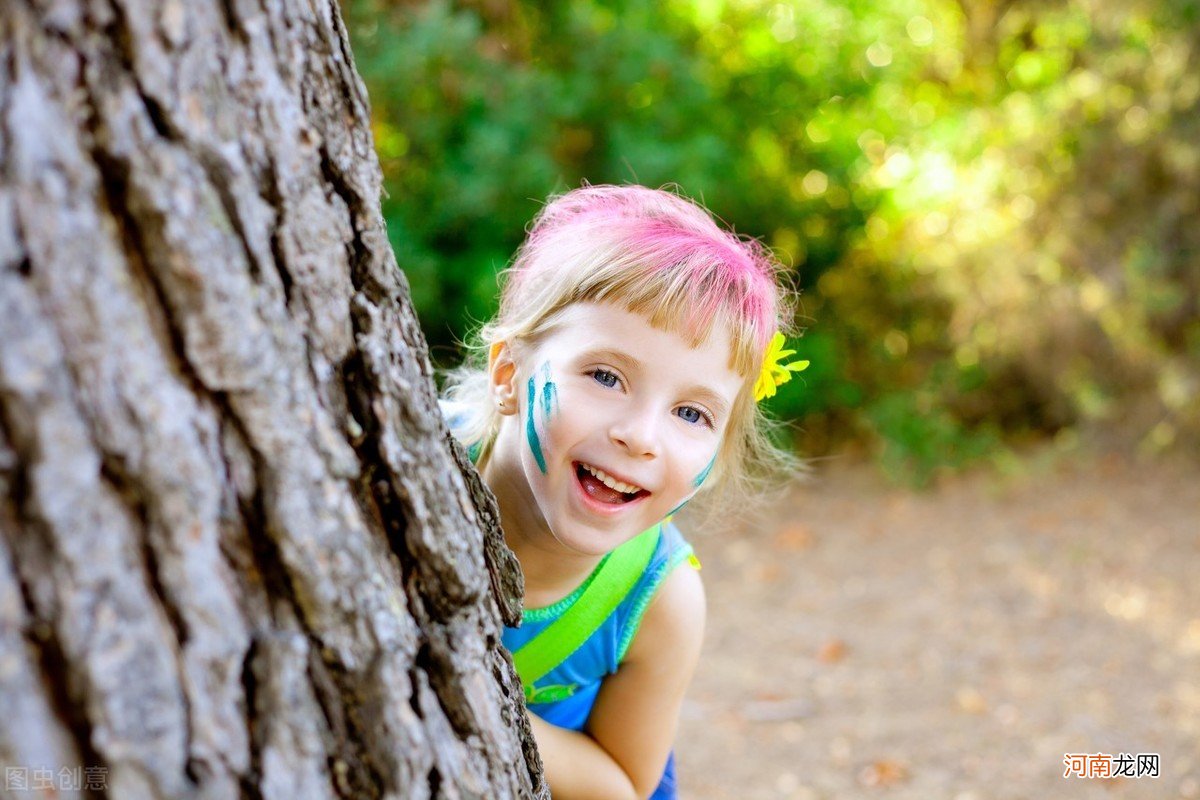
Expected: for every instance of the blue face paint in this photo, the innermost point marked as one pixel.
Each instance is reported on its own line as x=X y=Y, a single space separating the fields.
x=549 y=404
x=700 y=478
x=531 y=430
x=676 y=509
x=549 y=392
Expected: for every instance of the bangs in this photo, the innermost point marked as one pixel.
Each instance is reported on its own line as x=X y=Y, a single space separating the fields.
x=690 y=305
x=654 y=254
x=687 y=282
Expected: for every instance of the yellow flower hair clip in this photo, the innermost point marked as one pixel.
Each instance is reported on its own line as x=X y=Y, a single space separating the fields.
x=774 y=374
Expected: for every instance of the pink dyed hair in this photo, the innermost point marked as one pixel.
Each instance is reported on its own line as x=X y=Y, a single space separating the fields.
x=653 y=252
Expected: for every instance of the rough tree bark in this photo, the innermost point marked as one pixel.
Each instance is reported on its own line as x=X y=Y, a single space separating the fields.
x=239 y=555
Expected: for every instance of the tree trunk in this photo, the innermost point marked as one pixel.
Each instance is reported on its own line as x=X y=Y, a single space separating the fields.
x=239 y=554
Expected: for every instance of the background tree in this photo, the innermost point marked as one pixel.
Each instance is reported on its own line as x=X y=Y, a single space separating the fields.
x=238 y=554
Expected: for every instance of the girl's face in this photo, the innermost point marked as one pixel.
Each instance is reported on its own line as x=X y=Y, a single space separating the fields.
x=611 y=424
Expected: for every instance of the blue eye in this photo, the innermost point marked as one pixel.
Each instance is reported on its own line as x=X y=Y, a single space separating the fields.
x=692 y=415
x=604 y=378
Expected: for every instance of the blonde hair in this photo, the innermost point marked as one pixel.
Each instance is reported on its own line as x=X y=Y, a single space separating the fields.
x=653 y=253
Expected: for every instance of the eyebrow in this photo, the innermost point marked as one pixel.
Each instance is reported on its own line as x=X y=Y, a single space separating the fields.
x=621 y=358
x=629 y=362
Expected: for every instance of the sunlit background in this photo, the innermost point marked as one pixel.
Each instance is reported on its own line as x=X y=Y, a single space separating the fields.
x=992 y=207
x=993 y=211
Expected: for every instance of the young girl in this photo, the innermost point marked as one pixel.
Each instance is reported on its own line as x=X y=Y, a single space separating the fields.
x=633 y=340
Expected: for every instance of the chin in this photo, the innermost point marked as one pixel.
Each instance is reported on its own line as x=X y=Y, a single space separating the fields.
x=593 y=542
x=587 y=549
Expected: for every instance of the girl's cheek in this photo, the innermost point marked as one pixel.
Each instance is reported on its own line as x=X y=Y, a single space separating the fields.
x=541 y=406
x=695 y=485
x=575 y=415
x=698 y=481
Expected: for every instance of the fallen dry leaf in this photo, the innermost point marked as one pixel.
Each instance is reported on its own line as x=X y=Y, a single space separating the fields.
x=768 y=573
x=970 y=700
x=885 y=772
x=794 y=537
x=831 y=651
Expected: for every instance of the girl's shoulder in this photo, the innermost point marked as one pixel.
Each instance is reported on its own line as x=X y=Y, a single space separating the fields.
x=671 y=551
x=673 y=619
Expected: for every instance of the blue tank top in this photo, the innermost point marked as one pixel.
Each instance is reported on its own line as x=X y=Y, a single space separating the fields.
x=566 y=694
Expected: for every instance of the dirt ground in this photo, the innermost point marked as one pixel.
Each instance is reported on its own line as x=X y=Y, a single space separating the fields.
x=874 y=642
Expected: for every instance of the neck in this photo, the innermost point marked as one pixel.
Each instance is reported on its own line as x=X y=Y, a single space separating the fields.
x=551 y=570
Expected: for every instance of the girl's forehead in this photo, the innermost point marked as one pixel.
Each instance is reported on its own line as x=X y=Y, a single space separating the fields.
x=588 y=326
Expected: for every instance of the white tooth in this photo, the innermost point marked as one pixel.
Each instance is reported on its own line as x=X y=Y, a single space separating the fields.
x=610 y=481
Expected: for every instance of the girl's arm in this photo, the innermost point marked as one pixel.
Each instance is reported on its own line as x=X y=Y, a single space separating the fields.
x=633 y=722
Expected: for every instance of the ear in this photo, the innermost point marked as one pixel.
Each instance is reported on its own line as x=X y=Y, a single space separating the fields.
x=502 y=378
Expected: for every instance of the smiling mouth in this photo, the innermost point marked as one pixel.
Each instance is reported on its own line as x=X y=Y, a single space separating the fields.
x=603 y=488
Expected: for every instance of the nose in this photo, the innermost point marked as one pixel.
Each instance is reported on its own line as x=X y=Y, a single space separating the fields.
x=637 y=432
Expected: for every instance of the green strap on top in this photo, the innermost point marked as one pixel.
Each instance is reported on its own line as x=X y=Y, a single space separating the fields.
x=615 y=578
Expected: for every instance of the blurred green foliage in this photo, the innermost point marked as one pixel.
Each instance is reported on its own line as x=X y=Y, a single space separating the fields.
x=991 y=206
